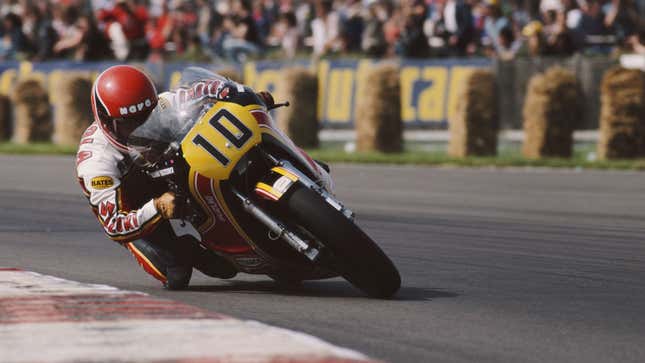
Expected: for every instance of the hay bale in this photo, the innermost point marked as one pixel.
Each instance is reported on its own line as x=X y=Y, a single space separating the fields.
x=33 y=116
x=231 y=73
x=622 y=114
x=300 y=120
x=378 y=111
x=72 y=108
x=474 y=126
x=5 y=117
x=552 y=109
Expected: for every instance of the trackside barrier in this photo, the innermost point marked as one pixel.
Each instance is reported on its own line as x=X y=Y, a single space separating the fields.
x=300 y=120
x=474 y=125
x=378 y=111
x=513 y=79
x=429 y=95
x=622 y=117
x=70 y=96
x=32 y=112
x=552 y=109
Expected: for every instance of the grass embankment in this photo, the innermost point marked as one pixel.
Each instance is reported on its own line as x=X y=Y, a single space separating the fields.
x=506 y=158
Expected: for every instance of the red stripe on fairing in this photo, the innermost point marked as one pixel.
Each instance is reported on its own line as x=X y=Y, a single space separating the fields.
x=222 y=235
x=95 y=307
x=10 y=269
x=263 y=118
x=196 y=187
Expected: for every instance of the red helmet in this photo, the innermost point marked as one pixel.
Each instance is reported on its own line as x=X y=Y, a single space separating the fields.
x=122 y=99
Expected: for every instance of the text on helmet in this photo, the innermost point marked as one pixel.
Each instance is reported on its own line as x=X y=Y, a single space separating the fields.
x=136 y=107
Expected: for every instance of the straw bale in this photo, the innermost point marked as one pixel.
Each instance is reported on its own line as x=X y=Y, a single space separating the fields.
x=300 y=120
x=474 y=126
x=622 y=114
x=72 y=106
x=5 y=117
x=552 y=109
x=32 y=111
x=378 y=111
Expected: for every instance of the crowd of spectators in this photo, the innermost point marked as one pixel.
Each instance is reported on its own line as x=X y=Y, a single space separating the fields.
x=236 y=30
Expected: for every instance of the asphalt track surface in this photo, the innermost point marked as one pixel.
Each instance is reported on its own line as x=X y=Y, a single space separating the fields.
x=497 y=265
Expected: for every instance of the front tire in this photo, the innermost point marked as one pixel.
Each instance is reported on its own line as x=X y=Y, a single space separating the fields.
x=353 y=253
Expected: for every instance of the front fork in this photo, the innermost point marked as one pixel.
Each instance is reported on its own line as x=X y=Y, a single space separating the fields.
x=282 y=178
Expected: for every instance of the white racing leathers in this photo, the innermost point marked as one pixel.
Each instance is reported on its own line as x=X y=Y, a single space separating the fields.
x=102 y=163
x=101 y=166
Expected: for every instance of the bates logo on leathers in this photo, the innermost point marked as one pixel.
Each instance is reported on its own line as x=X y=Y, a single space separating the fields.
x=135 y=108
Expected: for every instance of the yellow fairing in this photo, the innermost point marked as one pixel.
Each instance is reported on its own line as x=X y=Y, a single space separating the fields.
x=220 y=138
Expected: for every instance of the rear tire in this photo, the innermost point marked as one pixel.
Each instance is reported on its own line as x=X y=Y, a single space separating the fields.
x=354 y=254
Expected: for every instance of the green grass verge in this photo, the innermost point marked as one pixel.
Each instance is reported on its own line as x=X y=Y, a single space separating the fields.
x=506 y=158
x=503 y=160
x=36 y=148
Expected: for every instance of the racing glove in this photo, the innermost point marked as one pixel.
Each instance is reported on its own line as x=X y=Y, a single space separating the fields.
x=267 y=98
x=165 y=205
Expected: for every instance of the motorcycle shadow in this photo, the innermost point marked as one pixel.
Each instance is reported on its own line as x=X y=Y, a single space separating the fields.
x=321 y=289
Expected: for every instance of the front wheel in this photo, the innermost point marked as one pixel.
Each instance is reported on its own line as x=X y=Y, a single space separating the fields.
x=353 y=253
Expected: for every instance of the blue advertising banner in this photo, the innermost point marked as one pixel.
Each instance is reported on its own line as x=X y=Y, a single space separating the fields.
x=264 y=75
x=429 y=88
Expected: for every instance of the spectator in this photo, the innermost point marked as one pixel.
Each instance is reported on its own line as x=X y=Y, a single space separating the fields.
x=39 y=31
x=352 y=26
x=392 y=28
x=622 y=17
x=373 y=38
x=459 y=24
x=239 y=29
x=238 y=37
x=14 y=44
x=126 y=29
x=559 y=40
x=83 y=41
x=507 y=46
x=592 y=28
x=159 y=31
x=206 y=20
x=494 y=22
x=535 y=44
x=289 y=33
x=245 y=27
x=412 y=41
x=325 y=29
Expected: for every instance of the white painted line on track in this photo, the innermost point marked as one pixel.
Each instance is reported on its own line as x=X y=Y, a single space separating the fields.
x=52 y=320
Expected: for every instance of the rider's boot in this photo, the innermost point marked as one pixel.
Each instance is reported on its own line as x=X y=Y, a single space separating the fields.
x=158 y=258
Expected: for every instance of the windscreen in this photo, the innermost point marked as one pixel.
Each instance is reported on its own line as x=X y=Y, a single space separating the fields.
x=167 y=123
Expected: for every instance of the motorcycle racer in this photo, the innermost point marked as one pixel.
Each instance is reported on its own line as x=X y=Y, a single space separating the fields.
x=133 y=210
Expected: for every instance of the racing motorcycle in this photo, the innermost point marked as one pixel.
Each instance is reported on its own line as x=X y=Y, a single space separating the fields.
x=249 y=194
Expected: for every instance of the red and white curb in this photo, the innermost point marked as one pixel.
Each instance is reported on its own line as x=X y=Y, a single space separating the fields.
x=50 y=320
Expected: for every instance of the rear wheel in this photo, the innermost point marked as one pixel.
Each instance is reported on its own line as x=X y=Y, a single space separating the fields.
x=352 y=252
